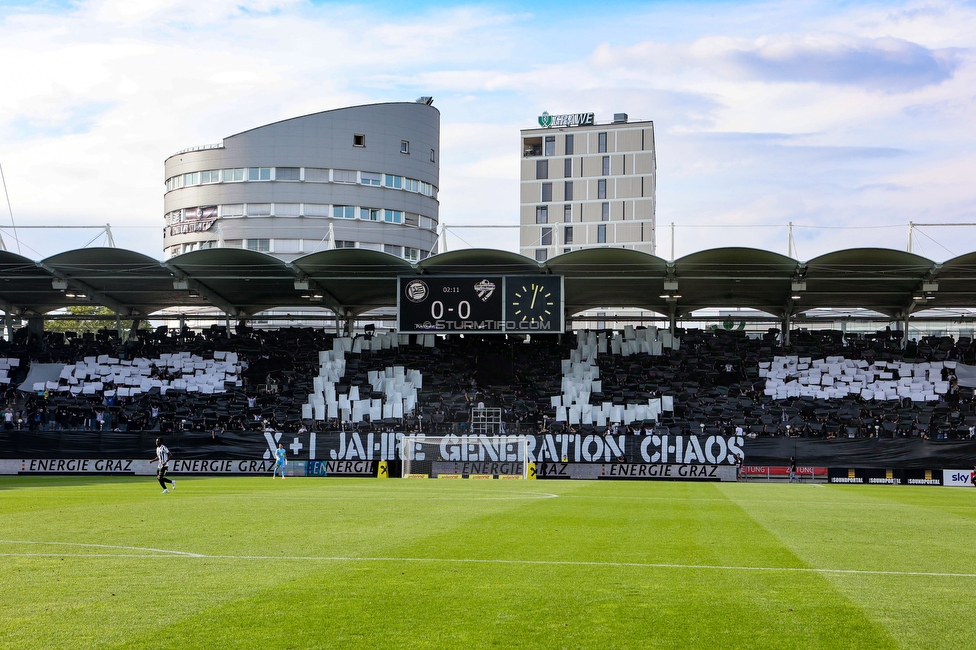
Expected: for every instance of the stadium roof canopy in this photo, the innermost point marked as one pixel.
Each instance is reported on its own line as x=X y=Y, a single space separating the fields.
x=353 y=281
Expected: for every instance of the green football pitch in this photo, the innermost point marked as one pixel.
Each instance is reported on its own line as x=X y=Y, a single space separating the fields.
x=305 y=563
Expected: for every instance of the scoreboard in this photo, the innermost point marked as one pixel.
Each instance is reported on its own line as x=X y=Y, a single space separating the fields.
x=450 y=304
x=489 y=304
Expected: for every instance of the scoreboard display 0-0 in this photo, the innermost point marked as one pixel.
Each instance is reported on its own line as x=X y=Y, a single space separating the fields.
x=451 y=304
x=488 y=304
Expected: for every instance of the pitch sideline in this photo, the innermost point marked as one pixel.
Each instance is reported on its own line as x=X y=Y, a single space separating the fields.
x=164 y=553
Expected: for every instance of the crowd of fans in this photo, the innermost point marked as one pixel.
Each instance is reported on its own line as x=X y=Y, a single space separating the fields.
x=271 y=360
x=712 y=375
x=714 y=378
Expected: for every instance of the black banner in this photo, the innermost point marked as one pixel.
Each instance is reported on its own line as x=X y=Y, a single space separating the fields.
x=549 y=448
x=234 y=445
x=876 y=453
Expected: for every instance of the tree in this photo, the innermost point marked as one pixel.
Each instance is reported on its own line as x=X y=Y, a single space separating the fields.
x=83 y=321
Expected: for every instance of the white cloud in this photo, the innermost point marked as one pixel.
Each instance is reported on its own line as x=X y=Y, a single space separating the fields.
x=821 y=114
x=183 y=12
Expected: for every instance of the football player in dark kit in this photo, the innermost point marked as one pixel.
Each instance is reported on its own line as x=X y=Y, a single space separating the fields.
x=162 y=457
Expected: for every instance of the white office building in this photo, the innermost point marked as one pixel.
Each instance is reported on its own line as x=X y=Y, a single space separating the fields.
x=585 y=184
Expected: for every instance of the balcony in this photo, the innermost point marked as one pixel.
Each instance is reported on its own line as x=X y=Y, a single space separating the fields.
x=531 y=147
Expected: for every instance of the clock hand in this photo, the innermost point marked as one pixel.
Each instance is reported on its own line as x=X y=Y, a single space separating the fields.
x=534 y=293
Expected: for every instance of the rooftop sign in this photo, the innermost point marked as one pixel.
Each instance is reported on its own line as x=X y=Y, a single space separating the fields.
x=570 y=119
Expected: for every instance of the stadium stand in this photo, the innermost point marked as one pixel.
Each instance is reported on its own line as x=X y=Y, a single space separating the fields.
x=637 y=380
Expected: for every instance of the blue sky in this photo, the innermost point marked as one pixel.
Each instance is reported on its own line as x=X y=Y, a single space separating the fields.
x=847 y=119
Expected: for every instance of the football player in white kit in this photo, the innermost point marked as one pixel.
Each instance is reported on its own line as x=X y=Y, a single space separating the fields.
x=162 y=457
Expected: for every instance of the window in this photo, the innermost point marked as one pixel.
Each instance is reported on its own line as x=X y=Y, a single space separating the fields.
x=542 y=214
x=412 y=254
x=393 y=250
x=601 y=188
x=550 y=145
x=568 y=168
x=601 y=234
x=566 y=250
x=568 y=213
x=288 y=174
x=605 y=211
x=568 y=191
x=540 y=255
x=411 y=185
x=316 y=210
x=258 y=209
x=191 y=179
x=393 y=216
x=601 y=142
x=606 y=165
x=344 y=244
x=546 y=238
x=343 y=212
x=343 y=176
x=259 y=174
x=569 y=144
x=432 y=156
x=396 y=182
x=541 y=169
x=288 y=245
x=369 y=214
x=262 y=245
x=427 y=223
x=404 y=146
x=369 y=178
x=232 y=210
x=316 y=175
x=212 y=176
x=287 y=209
x=547 y=191
x=567 y=234
x=359 y=140
x=233 y=175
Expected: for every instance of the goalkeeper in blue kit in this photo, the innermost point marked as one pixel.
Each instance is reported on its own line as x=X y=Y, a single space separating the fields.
x=280 y=461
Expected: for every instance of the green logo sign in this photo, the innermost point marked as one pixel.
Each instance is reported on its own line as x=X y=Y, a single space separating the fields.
x=571 y=119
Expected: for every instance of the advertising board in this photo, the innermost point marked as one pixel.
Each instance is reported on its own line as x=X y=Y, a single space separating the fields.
x=140 y=467
x=957 y=477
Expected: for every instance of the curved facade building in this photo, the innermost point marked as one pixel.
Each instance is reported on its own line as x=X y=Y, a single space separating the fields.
x=357 y=177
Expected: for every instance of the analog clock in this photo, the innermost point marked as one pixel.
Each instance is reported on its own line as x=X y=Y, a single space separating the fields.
x=534 y=303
